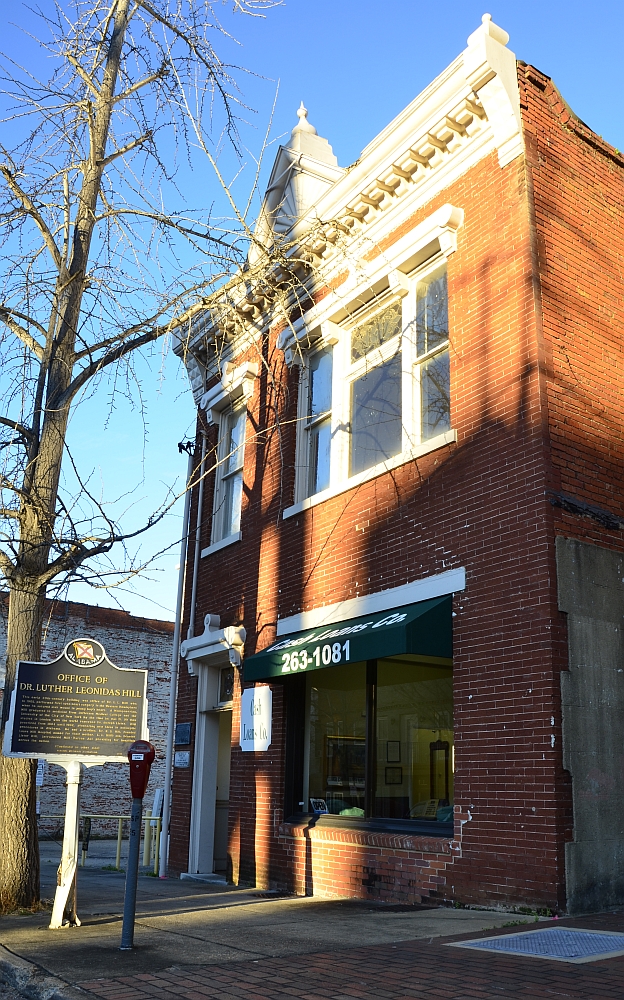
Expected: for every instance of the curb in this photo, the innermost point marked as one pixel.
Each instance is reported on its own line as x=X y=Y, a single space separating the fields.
x=33 y=981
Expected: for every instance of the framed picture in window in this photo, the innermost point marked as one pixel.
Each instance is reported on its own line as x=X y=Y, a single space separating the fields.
x=394 y=776
x=345 y=762
x=393 y=751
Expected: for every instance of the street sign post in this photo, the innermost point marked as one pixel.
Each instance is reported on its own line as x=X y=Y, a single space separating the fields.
x=78 y=710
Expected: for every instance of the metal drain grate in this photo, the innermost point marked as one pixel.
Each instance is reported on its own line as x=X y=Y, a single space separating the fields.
x=561 y=944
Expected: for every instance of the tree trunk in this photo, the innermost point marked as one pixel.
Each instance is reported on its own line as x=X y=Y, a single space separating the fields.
x=19 y=854
x=19 y=858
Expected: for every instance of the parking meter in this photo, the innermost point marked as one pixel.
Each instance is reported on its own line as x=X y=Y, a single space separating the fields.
x=141 y=755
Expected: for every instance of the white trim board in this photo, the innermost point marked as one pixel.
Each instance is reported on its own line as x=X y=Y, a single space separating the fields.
x=396 y=597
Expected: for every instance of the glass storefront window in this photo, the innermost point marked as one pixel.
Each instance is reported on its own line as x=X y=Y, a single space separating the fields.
x=414 y=753
x=336 y=739
x=408 y=705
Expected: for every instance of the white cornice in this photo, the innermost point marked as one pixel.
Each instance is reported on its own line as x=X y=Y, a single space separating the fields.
x=477 y=92
x=471 y=109
x=215 y=647
x=236 y=384
x=491 y=70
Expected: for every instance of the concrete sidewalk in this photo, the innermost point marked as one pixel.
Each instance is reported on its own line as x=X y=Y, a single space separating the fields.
x=197 y=940
x=183 y=922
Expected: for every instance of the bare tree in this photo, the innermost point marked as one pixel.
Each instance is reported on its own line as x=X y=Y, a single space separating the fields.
x=96 y=268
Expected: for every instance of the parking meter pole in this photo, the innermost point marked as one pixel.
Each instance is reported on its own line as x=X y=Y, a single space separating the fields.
x=140 y=756
x=132 y=874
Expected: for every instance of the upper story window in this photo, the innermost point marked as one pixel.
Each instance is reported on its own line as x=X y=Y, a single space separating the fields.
x=318 y=426
x=376 y=418
x=229 y=479
x=381 y=392
x=433 y=353
x=225 y=403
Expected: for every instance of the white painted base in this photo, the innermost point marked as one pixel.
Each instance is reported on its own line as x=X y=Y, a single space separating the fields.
x=208 y=877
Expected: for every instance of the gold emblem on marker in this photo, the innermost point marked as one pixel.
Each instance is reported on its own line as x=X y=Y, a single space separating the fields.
x=83 y=651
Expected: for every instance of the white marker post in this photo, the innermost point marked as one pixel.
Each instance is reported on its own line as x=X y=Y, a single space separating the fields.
x=63 y=914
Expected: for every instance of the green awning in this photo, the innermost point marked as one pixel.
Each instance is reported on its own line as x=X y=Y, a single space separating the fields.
x=423 y=629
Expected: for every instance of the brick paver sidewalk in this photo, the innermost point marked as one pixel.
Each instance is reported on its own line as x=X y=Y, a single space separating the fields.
x=417 y=969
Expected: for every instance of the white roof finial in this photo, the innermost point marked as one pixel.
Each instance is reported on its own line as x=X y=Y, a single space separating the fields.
x=303 y=125
x=488 y=27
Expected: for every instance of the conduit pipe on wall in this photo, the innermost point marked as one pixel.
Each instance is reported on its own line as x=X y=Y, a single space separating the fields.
x=175 y=658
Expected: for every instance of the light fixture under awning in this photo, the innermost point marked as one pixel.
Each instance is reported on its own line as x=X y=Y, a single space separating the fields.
x=423 y=629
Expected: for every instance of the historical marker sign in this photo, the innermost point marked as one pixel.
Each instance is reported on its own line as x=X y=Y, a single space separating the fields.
x=79 y=707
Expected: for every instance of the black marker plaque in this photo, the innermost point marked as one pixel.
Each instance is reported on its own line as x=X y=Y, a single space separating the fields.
x=79 y=705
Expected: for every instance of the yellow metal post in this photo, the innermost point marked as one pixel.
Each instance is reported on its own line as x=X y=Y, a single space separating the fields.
x=157 y=846
x=147 y=837
x=119 y=832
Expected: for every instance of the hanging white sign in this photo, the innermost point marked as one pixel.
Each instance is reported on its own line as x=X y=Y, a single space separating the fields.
x=256 y=715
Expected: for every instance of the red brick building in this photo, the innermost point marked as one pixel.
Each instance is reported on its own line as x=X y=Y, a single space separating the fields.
x=411 y=528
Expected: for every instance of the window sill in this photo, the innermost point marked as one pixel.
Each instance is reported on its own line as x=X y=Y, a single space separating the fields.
x=223 y=544
x=449 y=437
x=388 y=834
x=378 y=824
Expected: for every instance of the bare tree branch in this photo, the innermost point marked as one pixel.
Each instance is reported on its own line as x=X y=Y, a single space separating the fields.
x=6 y=317
x=23 y=431
x=142 y=83
x=35 y=214
x=126 y=149
x=84 y=76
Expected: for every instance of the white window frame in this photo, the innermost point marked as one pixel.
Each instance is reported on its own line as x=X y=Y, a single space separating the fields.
x=345 y=372
x=229 y=396
x=302 y=470
x=225 y=474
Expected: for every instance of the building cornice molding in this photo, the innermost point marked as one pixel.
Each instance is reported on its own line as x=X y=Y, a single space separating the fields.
x=236 y=385
x=215 y=647
x=471 y=109
x=492 y=72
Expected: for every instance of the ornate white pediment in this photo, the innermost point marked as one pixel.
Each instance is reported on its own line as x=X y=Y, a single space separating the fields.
x=215 y=647
x=303 y=171
x=236 y=385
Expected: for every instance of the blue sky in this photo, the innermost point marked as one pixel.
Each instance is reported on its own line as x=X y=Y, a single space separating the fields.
x=355 y=65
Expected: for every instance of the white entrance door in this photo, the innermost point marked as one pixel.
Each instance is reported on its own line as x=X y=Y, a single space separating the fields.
x=223 y=792
x=211 y=774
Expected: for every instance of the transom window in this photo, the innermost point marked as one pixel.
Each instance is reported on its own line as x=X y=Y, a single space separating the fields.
x=376 y=331
x=381 y=390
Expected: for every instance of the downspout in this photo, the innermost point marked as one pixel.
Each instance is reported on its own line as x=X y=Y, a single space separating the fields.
x=198 y=527
x=173 y=687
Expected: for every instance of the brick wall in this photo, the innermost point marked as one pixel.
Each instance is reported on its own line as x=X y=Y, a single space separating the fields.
x=578 y=185
x=129 y=641
x=533 y=350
